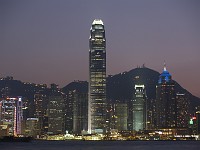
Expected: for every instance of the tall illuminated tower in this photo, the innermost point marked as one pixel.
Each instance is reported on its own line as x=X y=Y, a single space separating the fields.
x=97 y=78
x=139 y=108
x=166 y=110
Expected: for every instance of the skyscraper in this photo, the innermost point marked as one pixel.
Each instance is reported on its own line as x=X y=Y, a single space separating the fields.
x=139 y=108
x=55 y=111
x=97 y=78
x=183 y=115
x=121 y=116
x=11 y=114
x=56 y=114
x=40 y=103
x=69 y=100
x=80 y=112
x=166 y=101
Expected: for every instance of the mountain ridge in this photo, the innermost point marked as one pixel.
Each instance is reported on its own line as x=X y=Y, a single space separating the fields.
x=119 y=86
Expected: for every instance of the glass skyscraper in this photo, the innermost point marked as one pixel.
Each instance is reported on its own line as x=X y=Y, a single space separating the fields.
x=165 y=101
x=80 y=112
x=139 y=108
x=11 y=114
x=97 y=78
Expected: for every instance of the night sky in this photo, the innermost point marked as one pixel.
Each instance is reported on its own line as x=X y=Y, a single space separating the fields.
x=47 y=41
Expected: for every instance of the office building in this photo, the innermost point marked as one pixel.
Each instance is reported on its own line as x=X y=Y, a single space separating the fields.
x=97 y=78
x=11 y=114
x=198 y=122
x=69 y=100
x=151 y=114
x=40 y=104
x=55 y=111
x=120 y=116
x=32 y=127
x=166 y=101
x=56 y=114
x=183 y=115
x=80 y=112
x=139 y=108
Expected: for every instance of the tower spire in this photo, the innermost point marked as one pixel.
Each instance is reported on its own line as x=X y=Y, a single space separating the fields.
x=165 y=68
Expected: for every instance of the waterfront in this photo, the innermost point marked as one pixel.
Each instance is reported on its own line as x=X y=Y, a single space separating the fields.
x=102 y=145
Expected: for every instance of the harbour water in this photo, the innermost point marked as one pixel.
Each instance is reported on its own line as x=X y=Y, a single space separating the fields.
x=101 y=145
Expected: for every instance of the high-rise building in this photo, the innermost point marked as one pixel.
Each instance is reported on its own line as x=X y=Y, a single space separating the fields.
x=55 y=111
x=69 y=101
x=97 y=78
x=40 y=103
x=11 y=114
x=151 y=114
x=121 y=112
x=80 y=112
x=139 y=108
x=183 y=115
x=117 y=116
x=198 y=122
x=166 y=109
x=56 y=114
x=32 y=127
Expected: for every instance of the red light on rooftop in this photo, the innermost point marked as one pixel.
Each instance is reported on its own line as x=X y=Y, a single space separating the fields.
x=194 y=118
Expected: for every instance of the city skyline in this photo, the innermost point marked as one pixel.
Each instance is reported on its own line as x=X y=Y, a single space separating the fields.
x=47 y=42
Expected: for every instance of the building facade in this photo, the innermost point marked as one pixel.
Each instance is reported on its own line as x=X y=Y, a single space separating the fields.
x=56 y=111
x=32 y=127
x=166 y=107
x=69 y=101
x=40 y=104
x=121 y=112
x=198 y=122
x=56 y=114
x=11 y=114
x=97 y=78
x=151 y=114
x=80 y=113
x=139 y=108
x=183 y=115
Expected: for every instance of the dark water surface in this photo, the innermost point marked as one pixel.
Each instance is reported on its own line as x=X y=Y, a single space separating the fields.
x=102 y=145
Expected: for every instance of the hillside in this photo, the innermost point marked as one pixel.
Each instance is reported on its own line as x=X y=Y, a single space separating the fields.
x=121 y=86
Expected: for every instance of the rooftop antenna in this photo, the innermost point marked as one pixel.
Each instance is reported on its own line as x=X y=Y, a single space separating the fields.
x=165 y=68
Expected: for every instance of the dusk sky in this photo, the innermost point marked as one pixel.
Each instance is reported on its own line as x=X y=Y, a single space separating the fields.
x=47 y=41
